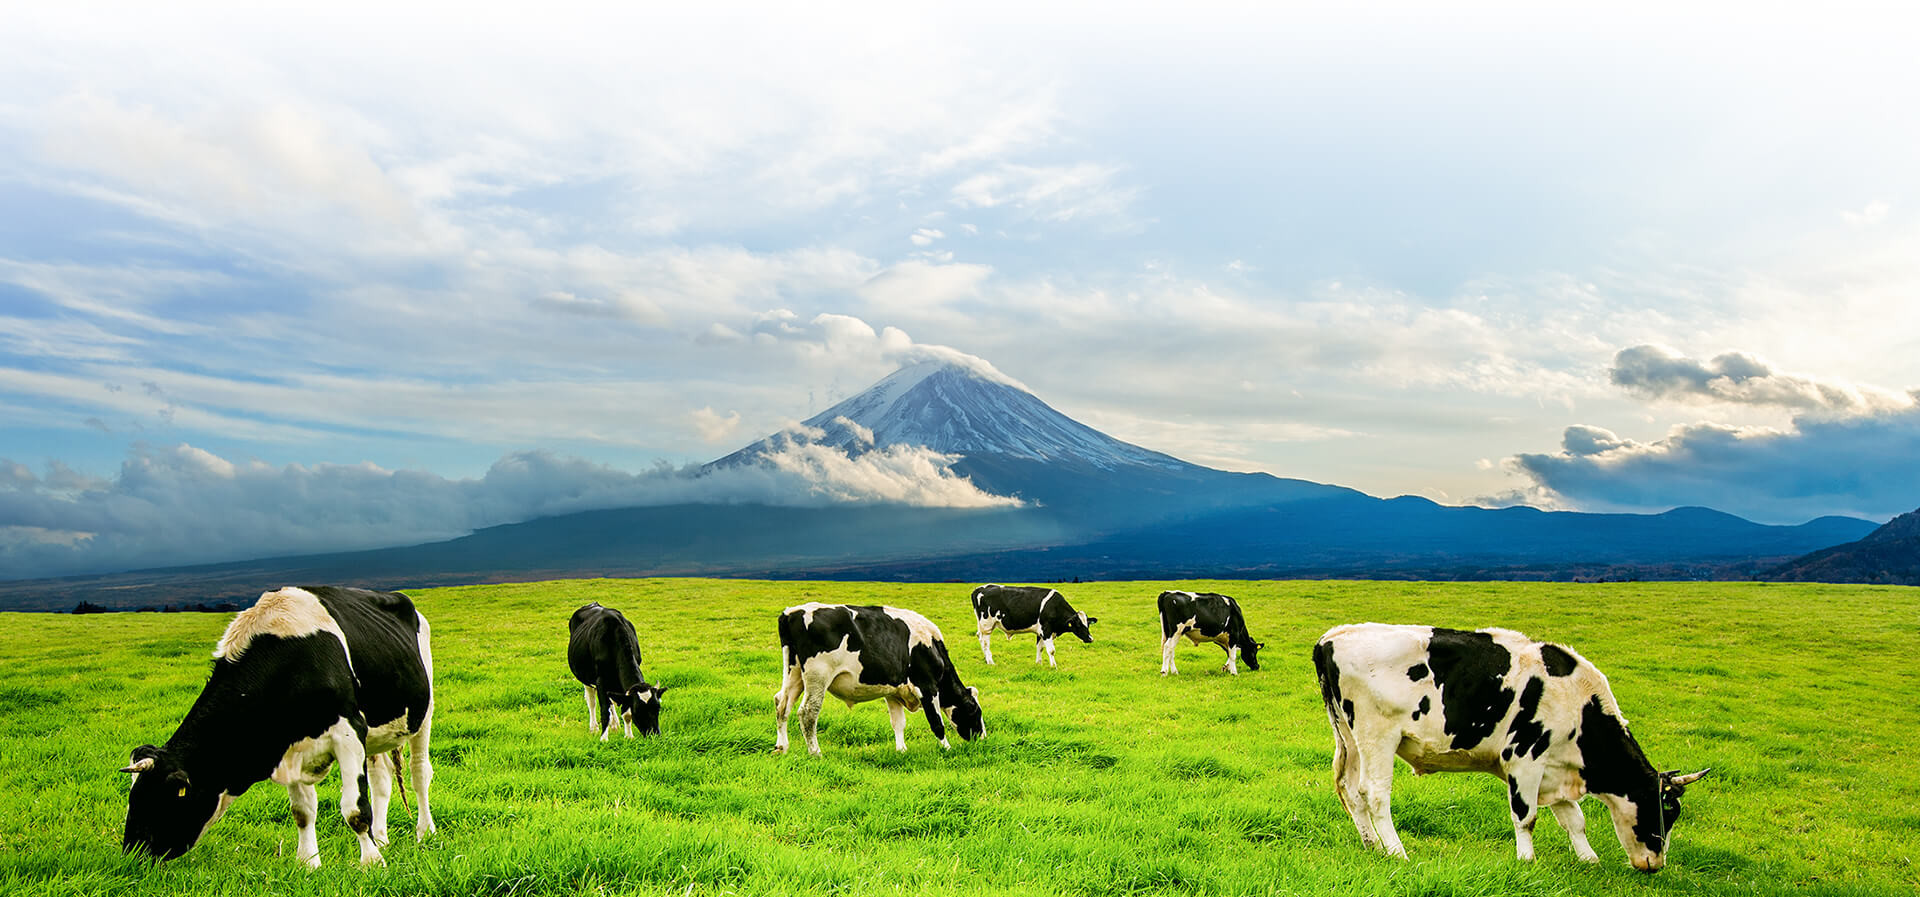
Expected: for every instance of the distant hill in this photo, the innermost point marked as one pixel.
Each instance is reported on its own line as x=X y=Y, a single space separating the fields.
x=1095 y=506
x=1889 y=555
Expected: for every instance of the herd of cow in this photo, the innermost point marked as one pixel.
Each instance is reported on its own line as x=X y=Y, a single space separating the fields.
x=309 y=678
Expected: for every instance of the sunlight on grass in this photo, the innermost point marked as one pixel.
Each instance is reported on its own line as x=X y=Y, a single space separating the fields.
x=1098 y=778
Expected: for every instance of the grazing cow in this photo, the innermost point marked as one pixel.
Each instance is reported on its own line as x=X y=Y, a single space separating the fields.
x=1535 y=714
x=1041 y=611
x=863 y=653
x=304 y=679
x=1205 y=617
x=604 y=654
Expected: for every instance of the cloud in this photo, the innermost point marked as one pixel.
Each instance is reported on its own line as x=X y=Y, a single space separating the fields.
x=183 y=505
x=626 y=307
x=1859 y=466
x=912 y=284
x=1654 y=372
x=1054 y=193
x=712 y=426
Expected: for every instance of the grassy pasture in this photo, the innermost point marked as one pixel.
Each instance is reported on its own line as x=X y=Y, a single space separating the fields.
x=1099 y=777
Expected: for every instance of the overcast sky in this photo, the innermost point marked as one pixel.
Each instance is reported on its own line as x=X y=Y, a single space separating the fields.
x=383 y=272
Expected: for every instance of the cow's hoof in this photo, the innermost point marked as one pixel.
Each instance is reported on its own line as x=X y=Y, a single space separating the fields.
x=779 y=748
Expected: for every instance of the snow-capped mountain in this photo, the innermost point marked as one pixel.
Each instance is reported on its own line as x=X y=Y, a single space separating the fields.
x=1008 y=442
x=959 y=410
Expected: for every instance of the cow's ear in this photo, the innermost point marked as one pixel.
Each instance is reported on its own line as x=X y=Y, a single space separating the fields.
x=178 y=779
x=974 y=692
x=659 y=690
x=1259 y=645
x=1092 y=620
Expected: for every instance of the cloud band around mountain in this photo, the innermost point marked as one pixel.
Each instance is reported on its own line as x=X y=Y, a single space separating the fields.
x=184 y=505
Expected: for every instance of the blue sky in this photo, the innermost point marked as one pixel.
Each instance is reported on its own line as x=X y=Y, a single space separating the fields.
x=276 y=282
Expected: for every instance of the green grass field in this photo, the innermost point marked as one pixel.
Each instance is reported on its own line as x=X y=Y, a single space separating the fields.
x=1099 y=777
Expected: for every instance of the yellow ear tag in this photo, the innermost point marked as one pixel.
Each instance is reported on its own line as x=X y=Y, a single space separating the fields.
x=183 y=792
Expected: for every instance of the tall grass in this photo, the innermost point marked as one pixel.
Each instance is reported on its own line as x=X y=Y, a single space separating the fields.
x=1100 y=777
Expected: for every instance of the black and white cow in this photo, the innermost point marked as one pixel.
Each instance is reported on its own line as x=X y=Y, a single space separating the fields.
x=1536 y=714
x=1036 y=609
x=604 y=654
x=1205 y=617
x=864 y=653
x=304 y=679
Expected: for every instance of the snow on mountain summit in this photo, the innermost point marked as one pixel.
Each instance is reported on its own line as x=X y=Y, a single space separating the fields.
x=963 y=410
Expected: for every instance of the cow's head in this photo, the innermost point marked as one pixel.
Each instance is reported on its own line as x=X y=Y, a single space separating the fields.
x=1644 y=821
x=641 y=706
x=965 y=714
x=1250 y=652
x=1081 y=625
x=166 y=812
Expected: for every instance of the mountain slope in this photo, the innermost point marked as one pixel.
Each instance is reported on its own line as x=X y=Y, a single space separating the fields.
x=1889 y=555
x=1009 y=442
x=958 y=410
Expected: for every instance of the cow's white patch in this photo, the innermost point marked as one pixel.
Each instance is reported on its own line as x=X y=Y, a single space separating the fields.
x=306 y=761
x=289 y=613
x=387 y=736
x=921 y=630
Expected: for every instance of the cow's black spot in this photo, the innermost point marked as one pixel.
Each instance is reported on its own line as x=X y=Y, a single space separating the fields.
x=1558 y=661
x=1417 y=672
x=1426 y=704
x=1521 y=808
x=1329 y=672
x=1614 y=764
x=1469 y=667
x=1525 y=734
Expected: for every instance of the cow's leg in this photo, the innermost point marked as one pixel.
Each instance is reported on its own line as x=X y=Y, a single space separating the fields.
x=1575 y=824
x=897 y=714
x=1048 y=641
x=1523 y=801
x=380 y=775
x=1167 y=646
x=1039 y=645
x=418 y=757
x=1375 y=744
x=626 y=720
x=607 y=712
x=816 y=687
x=306 y=807
x=419 y=744
x=984 y=629
x=1233 y=654
x=934 y=722
x=351 y=754
x=790 y=688
x=593 y=710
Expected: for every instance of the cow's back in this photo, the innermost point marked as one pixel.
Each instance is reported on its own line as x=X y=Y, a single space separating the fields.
x=383 y=633
x=603 y=648
x=880 y=637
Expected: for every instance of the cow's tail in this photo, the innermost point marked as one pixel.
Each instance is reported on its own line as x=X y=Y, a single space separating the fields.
x=400 y=780
x=793 y=630
x=1345 y=750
